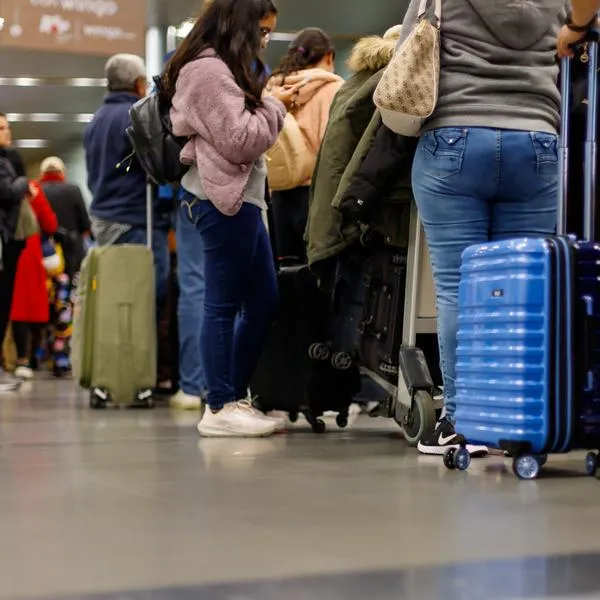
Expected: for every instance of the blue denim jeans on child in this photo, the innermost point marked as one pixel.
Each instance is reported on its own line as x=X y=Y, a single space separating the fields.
x=190 y=310
x=473 y=185
x=240 y=298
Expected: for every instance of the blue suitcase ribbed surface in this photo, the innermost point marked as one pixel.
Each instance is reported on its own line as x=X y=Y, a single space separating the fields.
x=520 y=376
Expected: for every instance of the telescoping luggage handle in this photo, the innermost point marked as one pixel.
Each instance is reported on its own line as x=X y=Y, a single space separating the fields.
x=591 y=142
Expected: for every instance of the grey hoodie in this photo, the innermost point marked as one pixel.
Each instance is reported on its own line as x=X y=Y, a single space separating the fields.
x=498 y=65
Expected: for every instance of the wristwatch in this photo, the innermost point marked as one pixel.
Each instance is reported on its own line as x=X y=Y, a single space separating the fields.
x=578 y=28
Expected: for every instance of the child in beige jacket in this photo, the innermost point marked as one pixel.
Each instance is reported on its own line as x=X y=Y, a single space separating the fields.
x=310 y=65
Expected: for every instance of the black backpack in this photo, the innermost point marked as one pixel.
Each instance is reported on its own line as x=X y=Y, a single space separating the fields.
x=155 y=146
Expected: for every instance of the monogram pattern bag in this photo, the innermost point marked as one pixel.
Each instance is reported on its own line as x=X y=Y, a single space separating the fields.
x=408 y=91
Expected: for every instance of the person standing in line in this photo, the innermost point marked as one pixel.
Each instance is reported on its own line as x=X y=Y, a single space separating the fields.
x=216 y=82
x=14 y=188
x=486 y=164
x=116 y=179
x=69 y=206
x=309 y=64
x=30 y=306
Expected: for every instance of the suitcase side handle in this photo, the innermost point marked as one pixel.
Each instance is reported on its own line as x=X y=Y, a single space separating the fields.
x=588 y=331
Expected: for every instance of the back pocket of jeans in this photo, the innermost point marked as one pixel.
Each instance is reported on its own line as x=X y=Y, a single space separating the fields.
x=545 y=146
x=444 y=151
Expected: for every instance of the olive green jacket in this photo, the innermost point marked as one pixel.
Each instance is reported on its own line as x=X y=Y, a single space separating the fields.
x=353 y=123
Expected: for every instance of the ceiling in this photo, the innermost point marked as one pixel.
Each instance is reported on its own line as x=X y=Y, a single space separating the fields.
x=53 y=114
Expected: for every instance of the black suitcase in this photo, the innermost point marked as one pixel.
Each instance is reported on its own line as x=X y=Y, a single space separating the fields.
x=295 y=373
x=381 y=326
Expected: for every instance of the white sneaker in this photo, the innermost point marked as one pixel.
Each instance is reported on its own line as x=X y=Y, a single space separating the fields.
x=183 y=401
x=8 y=383
x=24 y=373
x=236 y=419
x=280 y=418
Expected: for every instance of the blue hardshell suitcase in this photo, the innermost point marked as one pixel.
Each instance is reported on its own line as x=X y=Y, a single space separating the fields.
x=528 y=354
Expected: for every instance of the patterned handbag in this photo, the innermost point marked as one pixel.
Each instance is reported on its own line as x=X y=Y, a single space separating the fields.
x=408 y=91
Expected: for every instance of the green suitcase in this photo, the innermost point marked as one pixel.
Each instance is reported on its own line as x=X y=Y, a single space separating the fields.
x=114 y=346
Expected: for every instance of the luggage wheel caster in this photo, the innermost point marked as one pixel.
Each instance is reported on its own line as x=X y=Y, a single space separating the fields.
x=421 y=420
x=592 y=461
x=293 y=417
x=342 y=420
x=145 y=399
x=319 y=351
x=341 y=361
x=527 y=467
x=98 y=399
x=318 y=425
x=449 y=459
x=457 y=458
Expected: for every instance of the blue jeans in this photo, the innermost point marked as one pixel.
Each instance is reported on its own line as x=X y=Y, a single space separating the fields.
x=160 y=249
x=474 y=185
x=241 y=296
x=190 y=311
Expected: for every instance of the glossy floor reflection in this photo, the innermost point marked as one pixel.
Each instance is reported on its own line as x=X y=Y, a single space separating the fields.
x=132 y=505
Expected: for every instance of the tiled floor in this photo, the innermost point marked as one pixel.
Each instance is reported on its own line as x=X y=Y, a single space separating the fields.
x=132 y=505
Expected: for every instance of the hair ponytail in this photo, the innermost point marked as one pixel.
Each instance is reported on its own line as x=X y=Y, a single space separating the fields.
x=309 y=48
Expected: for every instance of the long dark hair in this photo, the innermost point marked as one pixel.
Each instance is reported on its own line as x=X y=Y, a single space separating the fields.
x=309 y=48
x=231 y=28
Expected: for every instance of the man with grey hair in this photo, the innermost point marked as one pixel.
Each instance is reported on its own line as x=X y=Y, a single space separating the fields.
x=118 y=207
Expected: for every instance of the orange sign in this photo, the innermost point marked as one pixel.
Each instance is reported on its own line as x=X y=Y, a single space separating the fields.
x=101 y=27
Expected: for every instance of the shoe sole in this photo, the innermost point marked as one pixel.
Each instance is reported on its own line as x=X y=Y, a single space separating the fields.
x=474 y=451
x=5 y=389
x=219 y=433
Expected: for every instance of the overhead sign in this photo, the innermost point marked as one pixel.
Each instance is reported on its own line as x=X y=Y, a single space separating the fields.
x=101 y=27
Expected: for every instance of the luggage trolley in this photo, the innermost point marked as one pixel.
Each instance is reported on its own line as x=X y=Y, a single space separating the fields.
x=411 y=403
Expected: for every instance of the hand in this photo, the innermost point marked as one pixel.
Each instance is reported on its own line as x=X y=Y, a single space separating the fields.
x=33 y=190
x=287 y=94
x=566 y=38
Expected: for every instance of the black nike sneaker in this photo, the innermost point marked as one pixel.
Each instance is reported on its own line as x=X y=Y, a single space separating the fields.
x=443 y=437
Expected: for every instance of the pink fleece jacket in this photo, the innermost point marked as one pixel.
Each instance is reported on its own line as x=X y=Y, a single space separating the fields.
x=226 y=138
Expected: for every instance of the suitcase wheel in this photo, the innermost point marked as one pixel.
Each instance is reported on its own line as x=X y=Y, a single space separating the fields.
x=592 y=461
x=449 y=459
x=342 y=420
x=457 y=458
x=421 y=419
x=341 y=361
x=145 y=399
x=99 y=399
x=319 y=351
x=527 y=466
x=318 y=425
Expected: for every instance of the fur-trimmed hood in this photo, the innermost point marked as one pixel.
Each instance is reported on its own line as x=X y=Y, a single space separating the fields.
x=373 y=53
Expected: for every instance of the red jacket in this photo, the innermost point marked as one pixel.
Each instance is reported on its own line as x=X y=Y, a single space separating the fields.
x=30 y=299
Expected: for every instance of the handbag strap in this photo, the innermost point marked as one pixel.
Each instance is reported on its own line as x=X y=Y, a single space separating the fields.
x=437 y=11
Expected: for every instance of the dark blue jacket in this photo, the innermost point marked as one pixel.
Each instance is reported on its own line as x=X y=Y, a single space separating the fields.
x=118 y=195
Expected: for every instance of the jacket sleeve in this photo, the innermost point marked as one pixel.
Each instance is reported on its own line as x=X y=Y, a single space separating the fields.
x=44 y=213
x=379 y=169
x=326 y=97
x=213 y=106
x=12 y=190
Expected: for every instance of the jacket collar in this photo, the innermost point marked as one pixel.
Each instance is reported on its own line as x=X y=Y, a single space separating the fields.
x=120 y=98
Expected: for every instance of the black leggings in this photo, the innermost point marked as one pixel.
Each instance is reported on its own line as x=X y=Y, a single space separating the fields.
x=25 y=336
x=10 y=258
x=290 y=213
